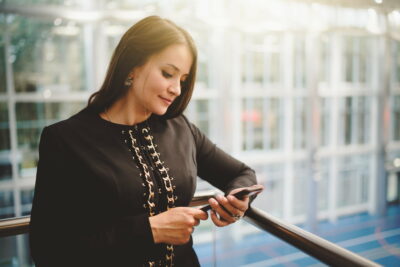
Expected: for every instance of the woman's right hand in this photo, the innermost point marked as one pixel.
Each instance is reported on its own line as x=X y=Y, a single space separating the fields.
x=176 y=225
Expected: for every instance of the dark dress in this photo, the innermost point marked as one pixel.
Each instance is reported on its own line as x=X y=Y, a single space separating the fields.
x=98 y=182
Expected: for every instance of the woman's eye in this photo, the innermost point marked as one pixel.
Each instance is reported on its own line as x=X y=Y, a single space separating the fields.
x=166 y=74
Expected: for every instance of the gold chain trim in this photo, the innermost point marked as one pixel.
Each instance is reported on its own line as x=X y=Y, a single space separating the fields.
x=167 y=181
x=149 y=183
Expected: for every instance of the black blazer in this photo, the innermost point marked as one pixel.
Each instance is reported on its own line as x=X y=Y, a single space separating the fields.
x=88 y=203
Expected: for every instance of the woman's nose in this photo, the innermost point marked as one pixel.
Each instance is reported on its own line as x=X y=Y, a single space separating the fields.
x=175 y=88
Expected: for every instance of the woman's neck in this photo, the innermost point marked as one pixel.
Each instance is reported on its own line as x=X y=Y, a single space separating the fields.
x=124 y=112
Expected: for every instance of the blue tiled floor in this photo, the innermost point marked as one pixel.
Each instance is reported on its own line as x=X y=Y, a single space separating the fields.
x=370 y=236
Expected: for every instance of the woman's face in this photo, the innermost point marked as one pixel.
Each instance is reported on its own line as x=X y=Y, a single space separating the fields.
x=157 y=83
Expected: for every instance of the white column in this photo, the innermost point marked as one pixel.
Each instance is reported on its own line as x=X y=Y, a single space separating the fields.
x=88 y=55
x=100 y=58
x=312 y=126
x=336 y=53
x=383 y=127
x=287 y=58
x=377 y=46
x=235 y=92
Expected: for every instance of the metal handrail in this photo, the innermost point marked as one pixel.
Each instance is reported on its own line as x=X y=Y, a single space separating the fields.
x=315 y=246
x=14 y=226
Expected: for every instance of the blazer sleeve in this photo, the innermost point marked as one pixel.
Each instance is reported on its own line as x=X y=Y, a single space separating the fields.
x=67 y=222
x=219 y=168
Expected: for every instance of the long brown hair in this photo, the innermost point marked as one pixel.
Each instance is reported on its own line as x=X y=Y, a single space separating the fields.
x=145 y=38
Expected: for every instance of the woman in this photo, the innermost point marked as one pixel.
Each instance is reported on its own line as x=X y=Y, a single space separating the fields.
x=114 y=181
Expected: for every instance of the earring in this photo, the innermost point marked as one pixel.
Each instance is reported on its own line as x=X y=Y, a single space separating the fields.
x=128 y=82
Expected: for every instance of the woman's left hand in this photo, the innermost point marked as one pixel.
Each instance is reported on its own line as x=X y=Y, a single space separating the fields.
x=229 y=209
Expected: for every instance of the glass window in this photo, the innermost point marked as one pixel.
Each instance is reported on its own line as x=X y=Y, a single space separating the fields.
x=271 y=199
x=254 y=63
x=357 y=58
x=396 y=61
x=363 y=120
x=5 y=165
x=299 y=62
x=203 y=119
x=353 y=180
x=325 y=59
x=47 y=56
x=5 y=168
x=348 y=59
x=26 y=201
x=207 y=56
x=273 y=60
x=325 y=109
x=47 y=2
x=300 y=188
x=2 y=60
x=113 y=33
x=31 y=119
x=199 y=114
x=300 y=122
x=262 y=61
x=15 y=251
x=4 y=127
x=253 y=60
x=323 y=178
x=252 y=118
x=346 y=119
x=6 y=204
x=396 y=118
x=261 y=123
x=273 y=124
x=355 y=120
x=202 y=72
x=143 y=5
x=258 y=65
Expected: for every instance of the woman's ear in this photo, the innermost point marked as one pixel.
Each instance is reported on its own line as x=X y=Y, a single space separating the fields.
x=133 y=73
x=129 y=80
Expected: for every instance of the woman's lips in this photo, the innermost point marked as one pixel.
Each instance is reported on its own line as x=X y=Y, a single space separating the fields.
x=166 y=100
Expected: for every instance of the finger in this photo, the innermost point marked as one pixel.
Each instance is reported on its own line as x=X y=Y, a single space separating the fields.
x=239 y=204
x=217 y=221
x=199 y=214
x=197 y=222
x=221 y=212
x=231 y=210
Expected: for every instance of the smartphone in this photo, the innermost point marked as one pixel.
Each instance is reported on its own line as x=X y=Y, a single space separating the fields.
x=247 y=191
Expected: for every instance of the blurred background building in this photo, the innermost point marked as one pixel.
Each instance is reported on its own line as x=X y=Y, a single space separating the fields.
x=306 y=92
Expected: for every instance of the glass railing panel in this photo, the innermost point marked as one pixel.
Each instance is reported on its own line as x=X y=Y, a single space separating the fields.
x=204 y=239
x=14 y=251
x=242 y=244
